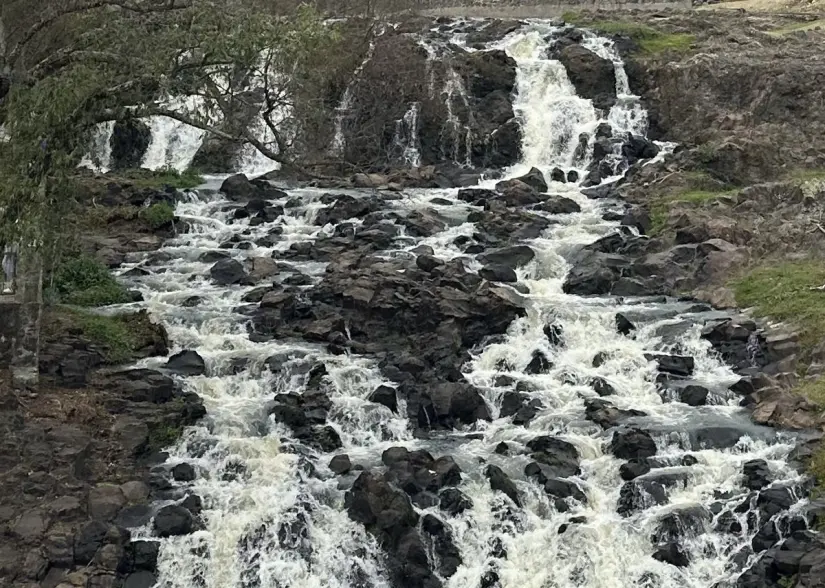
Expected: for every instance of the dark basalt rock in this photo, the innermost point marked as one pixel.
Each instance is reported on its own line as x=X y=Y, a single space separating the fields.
x=679 y=365
x=640 y=494
x=187 y=363
x=174 y=520
x=501 y=482
x=386 y=396
x=227 y=272
x=454 y=502
x=632 y=444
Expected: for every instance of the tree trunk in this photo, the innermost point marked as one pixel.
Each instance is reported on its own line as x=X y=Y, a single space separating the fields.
x=25 y=352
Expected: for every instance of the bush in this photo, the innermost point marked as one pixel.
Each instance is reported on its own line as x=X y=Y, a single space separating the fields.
x=167 y=177
x=158 y=215
x=111 y=333
x=83 y=281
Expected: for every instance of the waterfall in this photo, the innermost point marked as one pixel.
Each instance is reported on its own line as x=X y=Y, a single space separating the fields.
x=457 y=141
x=99 y=157
x=406 y=136
x=274 y=514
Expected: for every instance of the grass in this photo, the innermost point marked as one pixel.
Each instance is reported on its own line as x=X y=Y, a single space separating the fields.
x=782 y=291
x=162 y=178
x=158 y=215
x=83 y=281
x=162 y=436
x=113 y=334
x=660 y=208
x=650 y=41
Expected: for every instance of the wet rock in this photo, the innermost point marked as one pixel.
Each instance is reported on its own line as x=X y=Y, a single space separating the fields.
x=591 y=276
x=417 y=471
x=454 y=502
x=183 y=472
x=715 y=437
x=539 y=364
x=187 y=363
x=672 y=553
x=262 y=268
x=638 y=218
x=227 y=272
x=623 y=325
x=637 y=147
x=535 y=179
x=557 y=175
x=386 y=396
x=447 y=554
x=561 y=457
x=502 y=448
x=140 y=579
x=639 y=494
x=632 y=444
x=498 y=273
x=680 y=524
x=512 y=257
x=572 y=176
x=554 y=334
x=593 y=77
x=564 y=489
x=501 y=482
x=679 y=365
x=174 y=520
x=634 y=468
x=604 y=414
x=519 y=406
x=757 y=474
x=134 y=516
x=428 y=263
x=449 y=404
x=340 y=464
x=559 y=205
x=602 y=387
x=345 y=207
x=694 y=395
x=240 y=189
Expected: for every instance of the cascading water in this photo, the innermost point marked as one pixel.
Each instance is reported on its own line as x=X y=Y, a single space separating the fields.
x=274 y=516
x=406 y=137
x=99 y=157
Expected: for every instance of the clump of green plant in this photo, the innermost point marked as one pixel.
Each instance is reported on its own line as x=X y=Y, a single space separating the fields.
x=650 y=41
x=161 y=435
x=83 y=281
x=110 y=333
x=783 y=292
x=158 y=215
x=166 y=177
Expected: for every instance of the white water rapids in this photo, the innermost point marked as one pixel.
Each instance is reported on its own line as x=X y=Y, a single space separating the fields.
x=252 y=489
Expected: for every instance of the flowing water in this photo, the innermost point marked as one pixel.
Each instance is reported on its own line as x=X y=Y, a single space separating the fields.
x=275 y=518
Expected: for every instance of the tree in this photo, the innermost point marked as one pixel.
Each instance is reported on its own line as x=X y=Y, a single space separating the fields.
x=69 y=65
x=78 y=63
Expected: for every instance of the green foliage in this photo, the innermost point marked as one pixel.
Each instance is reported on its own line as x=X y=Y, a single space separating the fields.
x=782 y=291
x=651 y=41
x=103 y=62
x=111 y=333
x=706 y=152
x=162 y=436
x=83 y=281
x=167 y=177
x=158 y=215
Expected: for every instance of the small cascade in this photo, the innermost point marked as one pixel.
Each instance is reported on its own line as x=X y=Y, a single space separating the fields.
x=251 y=161
x=99 y=156
x=457 y=137
x=339 y=142
x=406 y=136
x=553 y=116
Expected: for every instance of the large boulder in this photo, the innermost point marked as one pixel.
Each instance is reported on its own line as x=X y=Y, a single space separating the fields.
x=512 y=257
x=501 y=482
x=174 y=520
x=632 y=444
x=593 y=77
x=450 y=404
x=535 y=179
x=227 y=272
x=129 y=141
x=187 y=363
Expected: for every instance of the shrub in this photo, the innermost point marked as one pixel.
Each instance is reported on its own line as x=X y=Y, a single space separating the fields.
x=158 y=215
x=83 y=281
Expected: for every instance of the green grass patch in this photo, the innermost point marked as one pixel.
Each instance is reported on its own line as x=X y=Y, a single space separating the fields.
x=650 y=41
x=83 y=281
x=807 y=175
x=167 y=177
x=162 y=436
x=813 y=390
x=158 y=215
x=782 y=292
x=112 y=334
x=661 y=207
